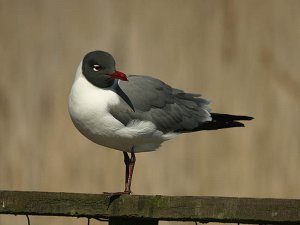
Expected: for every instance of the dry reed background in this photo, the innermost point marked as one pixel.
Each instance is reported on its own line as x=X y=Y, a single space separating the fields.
x=242 y=55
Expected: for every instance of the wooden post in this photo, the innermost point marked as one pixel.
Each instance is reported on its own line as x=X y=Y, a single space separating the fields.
x=137 y=209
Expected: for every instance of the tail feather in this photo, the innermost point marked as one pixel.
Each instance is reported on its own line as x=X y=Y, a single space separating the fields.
x=221 y=121
x=228 y=117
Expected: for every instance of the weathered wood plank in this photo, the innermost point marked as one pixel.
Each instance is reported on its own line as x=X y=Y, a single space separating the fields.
x=172 y=208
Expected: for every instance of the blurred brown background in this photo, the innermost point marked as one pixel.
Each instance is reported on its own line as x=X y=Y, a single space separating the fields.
x=242 y=55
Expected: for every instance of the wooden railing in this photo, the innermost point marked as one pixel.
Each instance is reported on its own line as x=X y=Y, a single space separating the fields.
x=149 y=210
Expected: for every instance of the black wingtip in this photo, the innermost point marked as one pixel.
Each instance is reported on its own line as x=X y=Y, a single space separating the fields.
x=228 y=117
x=223 y=121
x=245 y=118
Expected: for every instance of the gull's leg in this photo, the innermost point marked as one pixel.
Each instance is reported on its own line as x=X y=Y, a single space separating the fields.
x=129 y=172
x=127 y=163
x=129 y=166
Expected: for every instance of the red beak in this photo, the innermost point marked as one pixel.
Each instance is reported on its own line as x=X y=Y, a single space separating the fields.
x=119 y=75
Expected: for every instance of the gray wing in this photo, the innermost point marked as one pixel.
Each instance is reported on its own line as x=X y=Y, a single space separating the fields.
x=149 y=99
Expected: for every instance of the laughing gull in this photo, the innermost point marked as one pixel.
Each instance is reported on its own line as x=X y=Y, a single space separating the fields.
x=135 y=113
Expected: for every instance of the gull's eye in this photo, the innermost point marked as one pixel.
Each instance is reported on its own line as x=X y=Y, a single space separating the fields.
x=97 y=67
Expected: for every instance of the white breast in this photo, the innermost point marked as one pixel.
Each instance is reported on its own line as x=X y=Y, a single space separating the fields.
x=89 y=111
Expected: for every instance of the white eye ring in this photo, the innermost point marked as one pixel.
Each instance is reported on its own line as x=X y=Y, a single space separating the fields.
x=97 y=67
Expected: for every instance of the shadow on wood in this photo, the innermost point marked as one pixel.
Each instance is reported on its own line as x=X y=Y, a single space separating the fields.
x=121 y=221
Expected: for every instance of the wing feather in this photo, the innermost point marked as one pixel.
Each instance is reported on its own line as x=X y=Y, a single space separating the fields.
x=149 y=99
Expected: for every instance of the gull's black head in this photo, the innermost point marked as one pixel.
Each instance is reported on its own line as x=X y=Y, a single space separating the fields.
x=99 y=68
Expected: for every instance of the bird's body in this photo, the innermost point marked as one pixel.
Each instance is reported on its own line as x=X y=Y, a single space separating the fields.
x=90 y=109
x=135 y=113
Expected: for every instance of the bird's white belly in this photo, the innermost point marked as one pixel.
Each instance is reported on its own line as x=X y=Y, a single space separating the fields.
x=88 y=107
